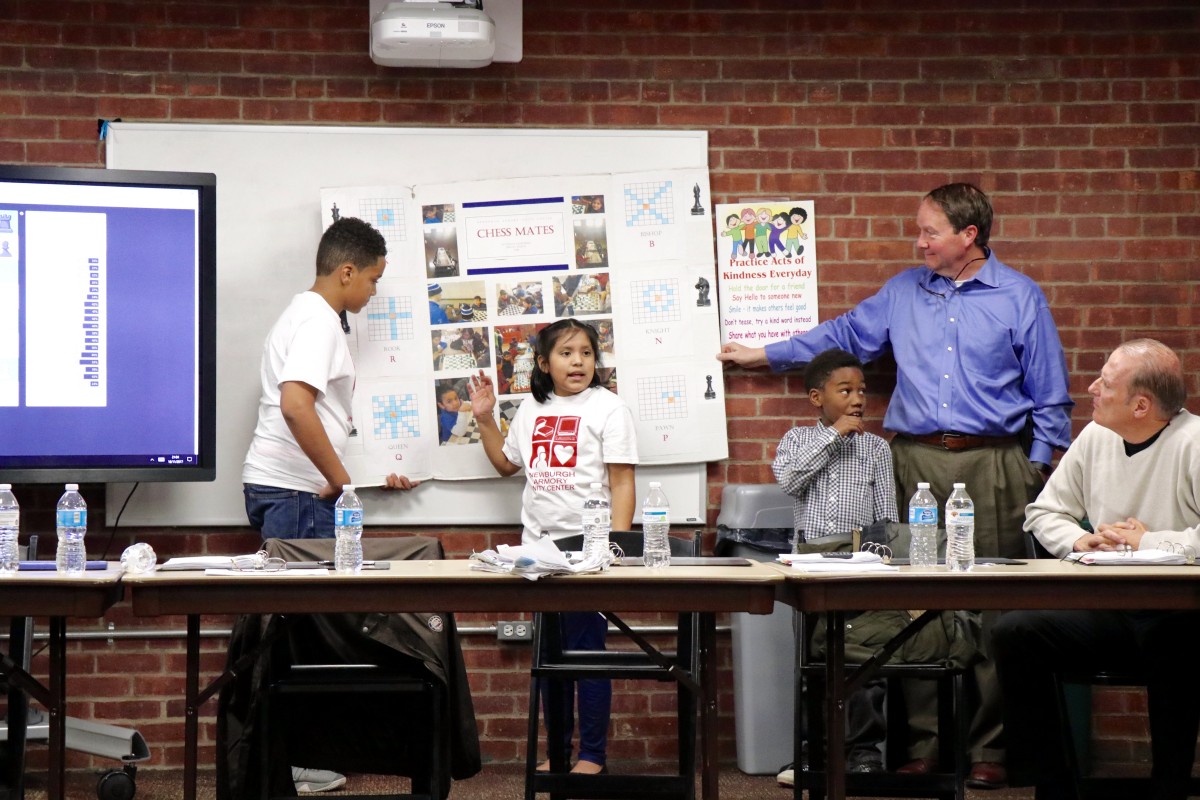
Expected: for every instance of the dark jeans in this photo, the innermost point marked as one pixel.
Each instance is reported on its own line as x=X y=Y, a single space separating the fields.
x=287 y=513
x=1029 y=647
x=584 y=630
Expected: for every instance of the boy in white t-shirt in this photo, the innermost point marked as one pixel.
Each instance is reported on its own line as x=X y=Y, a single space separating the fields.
x=293 y=472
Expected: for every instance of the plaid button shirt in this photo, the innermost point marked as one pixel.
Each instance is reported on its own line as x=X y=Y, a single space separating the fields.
x=839 y=483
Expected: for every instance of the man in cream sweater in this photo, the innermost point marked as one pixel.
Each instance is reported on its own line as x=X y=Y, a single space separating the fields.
x=1134 y=475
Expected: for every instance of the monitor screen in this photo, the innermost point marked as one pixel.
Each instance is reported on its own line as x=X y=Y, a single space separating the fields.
x=107 y=325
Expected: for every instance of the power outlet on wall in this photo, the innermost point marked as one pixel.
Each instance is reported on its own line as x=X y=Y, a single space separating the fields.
x=514 y=631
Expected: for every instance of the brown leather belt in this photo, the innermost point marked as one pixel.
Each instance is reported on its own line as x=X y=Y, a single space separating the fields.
x=959 y=441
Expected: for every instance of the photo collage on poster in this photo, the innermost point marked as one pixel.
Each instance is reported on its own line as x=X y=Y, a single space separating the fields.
x=501 y=260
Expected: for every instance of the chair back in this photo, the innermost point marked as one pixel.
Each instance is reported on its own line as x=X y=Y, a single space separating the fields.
x=631 y=543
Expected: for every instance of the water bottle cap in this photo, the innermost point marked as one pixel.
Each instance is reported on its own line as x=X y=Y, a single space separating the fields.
x=922 y=485
x=72 y=487
x=960 y=486
x=349 y=487
x=655 y=485
x=5 y=487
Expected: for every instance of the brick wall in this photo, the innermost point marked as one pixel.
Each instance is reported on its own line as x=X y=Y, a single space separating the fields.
x=1079 y=118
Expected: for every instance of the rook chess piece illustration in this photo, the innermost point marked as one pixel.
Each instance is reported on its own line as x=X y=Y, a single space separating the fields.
x=702 y=287
x=697 y=209
x=709 y=393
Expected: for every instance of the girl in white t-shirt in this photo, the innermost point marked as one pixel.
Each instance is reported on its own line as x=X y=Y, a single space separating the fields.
x=573 y=433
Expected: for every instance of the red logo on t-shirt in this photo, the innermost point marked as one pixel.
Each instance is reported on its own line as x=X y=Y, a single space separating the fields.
x=555 y=442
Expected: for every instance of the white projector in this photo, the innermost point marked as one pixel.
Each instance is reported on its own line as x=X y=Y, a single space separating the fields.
x=418 y=34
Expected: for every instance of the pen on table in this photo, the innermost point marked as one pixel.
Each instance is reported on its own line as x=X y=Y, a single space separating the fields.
x=317 y=564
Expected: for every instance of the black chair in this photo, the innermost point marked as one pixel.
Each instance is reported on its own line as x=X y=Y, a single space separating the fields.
x=1073 y=687
x=550 y=662
x=303 y=686
x=371 y=692
x=946 y=784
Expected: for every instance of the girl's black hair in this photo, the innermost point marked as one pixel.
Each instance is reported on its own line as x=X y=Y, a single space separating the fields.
x=541 y=385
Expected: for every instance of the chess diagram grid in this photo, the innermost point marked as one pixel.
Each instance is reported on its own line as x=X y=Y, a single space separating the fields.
x=394 y=416
x=387 y=215
x=648 y=204
x=655 y=301
x=662 y=397
x=390 y=319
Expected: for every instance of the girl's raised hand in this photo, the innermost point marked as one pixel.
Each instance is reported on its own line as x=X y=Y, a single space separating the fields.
x=483 y=395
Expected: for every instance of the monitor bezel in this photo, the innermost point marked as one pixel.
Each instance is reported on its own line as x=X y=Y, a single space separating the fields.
x=205 y=184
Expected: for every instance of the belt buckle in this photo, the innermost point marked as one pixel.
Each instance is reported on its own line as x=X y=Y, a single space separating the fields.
x=948 y=437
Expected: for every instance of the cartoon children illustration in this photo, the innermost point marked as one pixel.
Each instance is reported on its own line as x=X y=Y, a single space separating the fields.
x=748 y=231
x=762 y=233
x=791 y=239
x=733 y=229
x=778 y=223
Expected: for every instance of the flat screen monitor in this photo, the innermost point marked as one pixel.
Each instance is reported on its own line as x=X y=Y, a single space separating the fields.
x=107 y=325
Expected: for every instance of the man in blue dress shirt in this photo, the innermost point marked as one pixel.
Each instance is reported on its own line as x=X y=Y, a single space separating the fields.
x=981 y=386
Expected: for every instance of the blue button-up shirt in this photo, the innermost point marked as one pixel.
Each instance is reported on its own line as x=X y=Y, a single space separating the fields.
x=974 y=359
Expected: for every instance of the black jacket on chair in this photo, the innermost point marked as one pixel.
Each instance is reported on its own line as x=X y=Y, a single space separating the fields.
x=341 y=736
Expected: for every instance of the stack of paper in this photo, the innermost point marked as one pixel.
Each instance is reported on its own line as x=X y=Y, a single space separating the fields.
x=532 y=561
x=1131 y=558
x=842 y=562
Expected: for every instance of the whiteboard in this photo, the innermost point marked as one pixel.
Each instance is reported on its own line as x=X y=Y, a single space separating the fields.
x=269 y=179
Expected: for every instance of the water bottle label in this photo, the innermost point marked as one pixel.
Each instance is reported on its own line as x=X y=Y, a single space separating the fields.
x=72 y=518
x=347 y=517
x=10 y=518
x=596 y=516
x=922 y=516
x=653 y=515
x=960 y=517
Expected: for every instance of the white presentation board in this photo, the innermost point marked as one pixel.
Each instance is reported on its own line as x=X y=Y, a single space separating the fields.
x=269 y=181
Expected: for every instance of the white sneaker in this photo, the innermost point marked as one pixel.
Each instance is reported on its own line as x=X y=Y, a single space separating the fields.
x=311 y=781
x=786 y=776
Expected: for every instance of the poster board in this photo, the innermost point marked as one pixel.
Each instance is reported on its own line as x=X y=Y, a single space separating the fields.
x=269 y=180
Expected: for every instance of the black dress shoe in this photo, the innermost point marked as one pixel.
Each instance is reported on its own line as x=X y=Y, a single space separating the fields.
x=864 y=762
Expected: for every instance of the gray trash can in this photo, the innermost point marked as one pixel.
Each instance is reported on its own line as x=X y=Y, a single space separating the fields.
x=755 y=522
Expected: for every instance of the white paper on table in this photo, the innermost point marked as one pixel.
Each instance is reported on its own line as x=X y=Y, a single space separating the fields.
x=1120 y=558
x=818 y=562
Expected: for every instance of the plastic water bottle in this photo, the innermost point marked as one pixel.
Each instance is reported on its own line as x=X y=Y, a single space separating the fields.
x=348 y=527
x=960 y=530
x=597 y=523
x=10 y=529
x=922 y=528
x=656 y=525
x=71 y=557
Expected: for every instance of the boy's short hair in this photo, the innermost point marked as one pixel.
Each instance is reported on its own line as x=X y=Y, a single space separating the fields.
x=349 y=240
x=817 y=373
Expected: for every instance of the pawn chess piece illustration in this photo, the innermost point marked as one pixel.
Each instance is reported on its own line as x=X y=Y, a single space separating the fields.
x=697 y=209
x=702 y=287
x=709 y=393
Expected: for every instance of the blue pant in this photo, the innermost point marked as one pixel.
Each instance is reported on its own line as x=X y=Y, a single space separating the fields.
x=584 y=631
x=287 y=513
